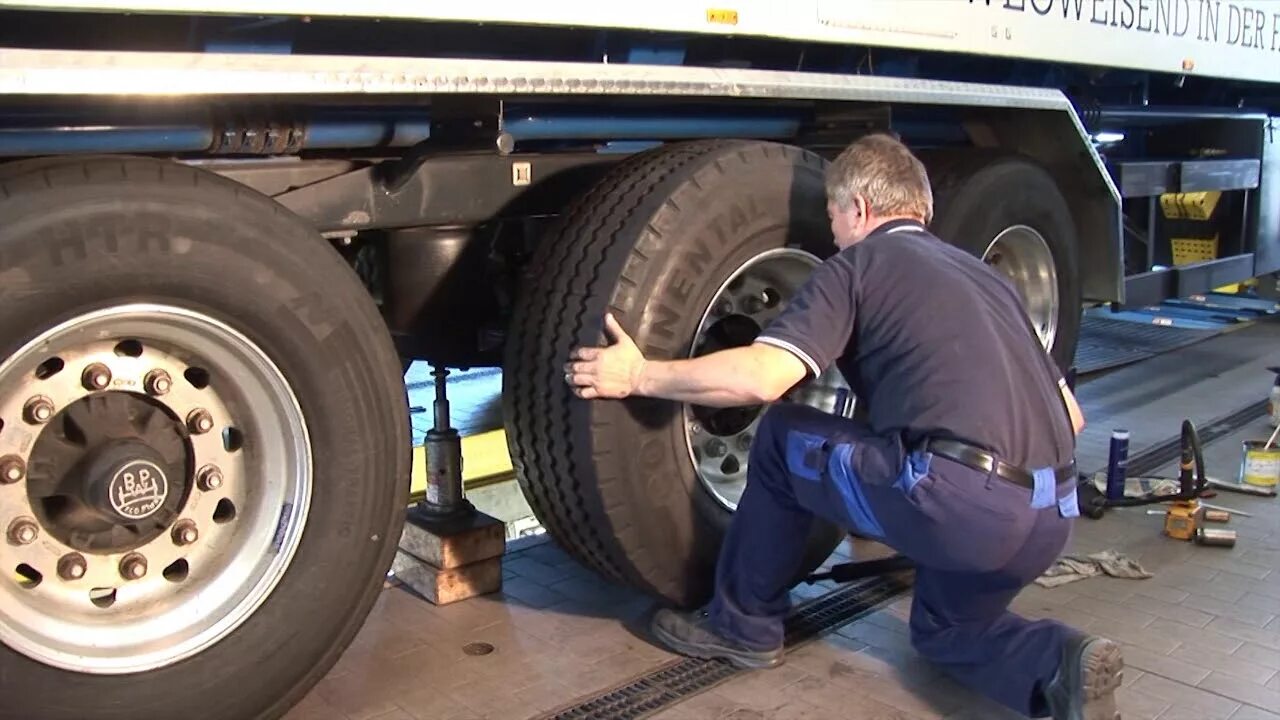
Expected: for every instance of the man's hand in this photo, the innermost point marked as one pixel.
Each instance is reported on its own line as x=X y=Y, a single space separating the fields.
x=608 y=372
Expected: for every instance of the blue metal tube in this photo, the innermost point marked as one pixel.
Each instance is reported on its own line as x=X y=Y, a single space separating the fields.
x=335 y=135
x=52 y=137
x=104 y=139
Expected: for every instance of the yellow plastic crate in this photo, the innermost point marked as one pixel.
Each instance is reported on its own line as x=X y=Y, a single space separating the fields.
x=1190 y=205
x=1194 y=250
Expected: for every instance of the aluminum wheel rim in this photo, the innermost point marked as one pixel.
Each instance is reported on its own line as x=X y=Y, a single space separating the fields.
x=1022 y=255
x=241 y=552
x=758 y=291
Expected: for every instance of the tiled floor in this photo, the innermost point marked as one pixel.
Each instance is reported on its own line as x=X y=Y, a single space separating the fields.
x=1201 y=637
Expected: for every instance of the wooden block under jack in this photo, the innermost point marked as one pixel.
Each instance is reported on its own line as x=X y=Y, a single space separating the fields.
x=441 y=587
x=453 y=559
x=454 y=542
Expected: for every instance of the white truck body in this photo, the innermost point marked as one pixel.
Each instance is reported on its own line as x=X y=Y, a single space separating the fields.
x=1212 y=38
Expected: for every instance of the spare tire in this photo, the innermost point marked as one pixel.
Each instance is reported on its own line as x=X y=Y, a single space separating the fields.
x=1009 y=211
x=675 y=242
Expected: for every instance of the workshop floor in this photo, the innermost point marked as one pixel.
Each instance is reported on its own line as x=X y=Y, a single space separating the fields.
x=1201 y=637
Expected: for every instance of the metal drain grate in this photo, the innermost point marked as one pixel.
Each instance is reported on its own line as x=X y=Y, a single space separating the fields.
x=681 y=679
x=1160 y=455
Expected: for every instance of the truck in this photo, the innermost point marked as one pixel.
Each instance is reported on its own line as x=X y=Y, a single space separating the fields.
x=227 y=227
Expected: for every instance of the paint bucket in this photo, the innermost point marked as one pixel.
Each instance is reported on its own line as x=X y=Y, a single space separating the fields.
x=1260 y=466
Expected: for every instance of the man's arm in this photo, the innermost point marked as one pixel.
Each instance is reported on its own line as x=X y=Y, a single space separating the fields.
x=749 y=375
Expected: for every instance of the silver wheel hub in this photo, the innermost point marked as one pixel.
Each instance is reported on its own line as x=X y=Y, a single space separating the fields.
x=155 y=477
x=719 y=439
x=1022 y=254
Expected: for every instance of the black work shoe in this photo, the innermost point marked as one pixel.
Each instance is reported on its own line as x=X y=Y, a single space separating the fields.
x=690 y=634
x=1084 y=687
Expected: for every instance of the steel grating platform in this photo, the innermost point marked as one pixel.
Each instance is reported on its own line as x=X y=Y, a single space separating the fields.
x=1106 y=343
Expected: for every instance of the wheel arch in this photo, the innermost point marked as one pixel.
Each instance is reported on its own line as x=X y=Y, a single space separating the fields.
x=1057 y=141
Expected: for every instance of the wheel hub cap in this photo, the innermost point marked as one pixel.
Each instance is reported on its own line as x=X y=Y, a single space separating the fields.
x=720 y=439
x=1022 y=254
x=155 y=477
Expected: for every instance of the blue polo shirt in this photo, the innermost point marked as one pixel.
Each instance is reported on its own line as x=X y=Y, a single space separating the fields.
x=934 y=342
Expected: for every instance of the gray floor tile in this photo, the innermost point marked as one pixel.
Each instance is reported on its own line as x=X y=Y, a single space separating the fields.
x=1242 y=691
x=1248 y=712
x=1206 y=705
x=561 y=633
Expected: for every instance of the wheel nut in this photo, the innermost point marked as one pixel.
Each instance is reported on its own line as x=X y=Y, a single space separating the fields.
x=133 y=567
x=23 y=531
x=185 y=533
x=157 y=382
x=716 y=448
x=71 y=566
x=199 y=421
x=210 y=478
x=38 y=410
x=12 y=469
x=96 y=377
x=744 y=441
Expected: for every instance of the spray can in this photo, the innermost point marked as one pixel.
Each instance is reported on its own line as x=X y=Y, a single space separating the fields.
x=1273 y=400
x=1117 y=463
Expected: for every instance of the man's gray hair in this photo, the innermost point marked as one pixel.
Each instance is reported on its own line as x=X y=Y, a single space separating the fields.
x=886 y=173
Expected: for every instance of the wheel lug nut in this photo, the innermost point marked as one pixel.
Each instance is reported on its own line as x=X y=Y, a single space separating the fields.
x=744 y=441
x=38 y=410
x=185 y=533
x=199 y=421
x=133 y=567
x=210 y=478
x=12 y=469
x=716 y=448
x=72 y=566
x=96 y=377
x=157 y=382
x=23 y=531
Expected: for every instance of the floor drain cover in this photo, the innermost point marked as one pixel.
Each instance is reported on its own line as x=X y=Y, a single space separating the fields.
x=478 y=649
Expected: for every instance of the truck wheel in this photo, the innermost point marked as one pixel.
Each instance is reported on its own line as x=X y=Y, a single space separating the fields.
x=693 y=247
x=203 y=446
x=1009 y=212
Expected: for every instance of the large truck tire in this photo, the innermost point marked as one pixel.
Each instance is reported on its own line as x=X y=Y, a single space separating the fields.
x=204 y=446
x=642 y=490
x=1010 y=212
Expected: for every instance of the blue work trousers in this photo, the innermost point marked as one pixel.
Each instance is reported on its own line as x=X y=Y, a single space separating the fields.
x=975 y=538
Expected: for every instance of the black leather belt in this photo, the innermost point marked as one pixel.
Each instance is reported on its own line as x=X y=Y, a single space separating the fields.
x=981 y=460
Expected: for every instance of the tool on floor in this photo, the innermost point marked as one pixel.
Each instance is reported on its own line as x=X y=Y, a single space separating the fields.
x=1192 y=483
x=848 y=572
x=1211 y=536
x=1218 y=516
x=1239 y=488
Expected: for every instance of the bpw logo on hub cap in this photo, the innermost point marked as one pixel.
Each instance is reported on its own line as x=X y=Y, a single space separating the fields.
x=138 y=489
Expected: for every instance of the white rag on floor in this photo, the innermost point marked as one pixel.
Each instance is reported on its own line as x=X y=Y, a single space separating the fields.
x=1071 y=568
